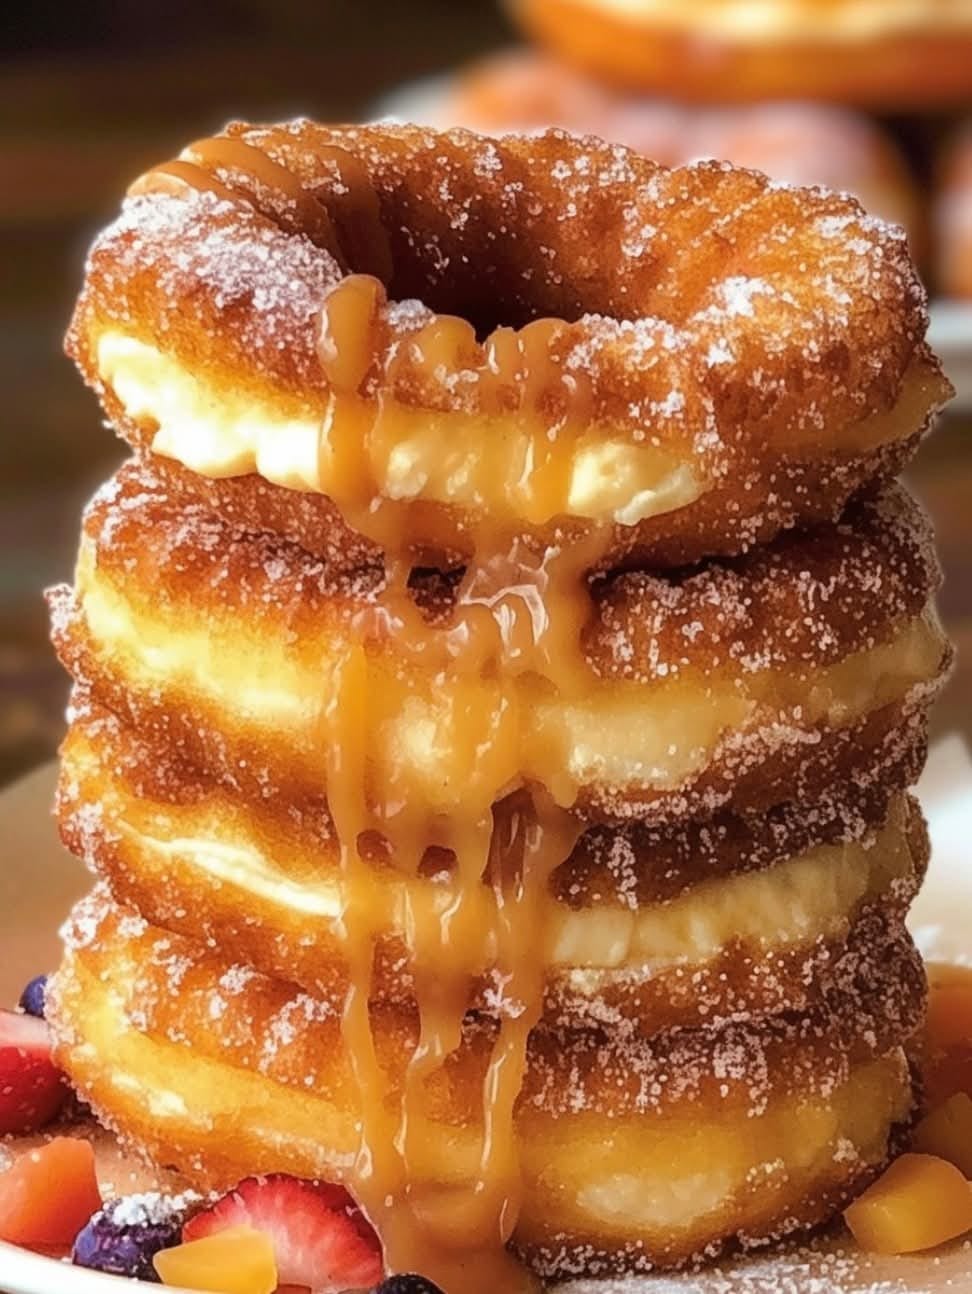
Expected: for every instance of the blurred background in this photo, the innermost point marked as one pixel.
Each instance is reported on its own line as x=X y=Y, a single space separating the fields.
x=90 y=94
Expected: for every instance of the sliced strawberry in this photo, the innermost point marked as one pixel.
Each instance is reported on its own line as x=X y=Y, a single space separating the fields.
x=32 y=1089
x=321 y=1239
x=49 y=1194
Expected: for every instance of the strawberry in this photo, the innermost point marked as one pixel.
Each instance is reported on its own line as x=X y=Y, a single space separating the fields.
x=321 y=1239
x=49 y=1194
x=32 y=1089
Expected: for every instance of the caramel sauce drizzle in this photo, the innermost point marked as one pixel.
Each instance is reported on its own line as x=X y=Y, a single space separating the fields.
x=517 y=617
x=517 y=614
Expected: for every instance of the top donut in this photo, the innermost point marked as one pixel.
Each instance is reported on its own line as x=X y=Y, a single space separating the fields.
x=442 y=334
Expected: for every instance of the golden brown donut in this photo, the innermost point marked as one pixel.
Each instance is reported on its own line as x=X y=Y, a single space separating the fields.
x=886 y=54
x=636 y=1154
x=701 y=922
x=798 y=143
x=744 y=682
x=953 y=217
x=660 y=371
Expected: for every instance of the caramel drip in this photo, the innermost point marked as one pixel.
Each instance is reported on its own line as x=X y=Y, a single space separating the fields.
x=271 y=188
x=177 y=176
x=344 y=217
x=518 y=613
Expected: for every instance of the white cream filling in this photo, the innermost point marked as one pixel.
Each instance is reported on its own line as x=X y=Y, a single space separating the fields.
x=448 y=458
x=652 y=1176
x=620 y=734
x=772 y=21
x=798 y=901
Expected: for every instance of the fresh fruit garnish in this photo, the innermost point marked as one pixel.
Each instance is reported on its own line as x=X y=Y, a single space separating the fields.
x=48 y=1194
x=127 y=1233
x=32 y=1089
x=321 y=1239
x=236 y=1261
x=946 y=1132
x=947 y=1066
x=920 y=1202
x=32 y=1000
x=406 y=1284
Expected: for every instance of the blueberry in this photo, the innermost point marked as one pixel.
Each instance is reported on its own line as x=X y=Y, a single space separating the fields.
x=32 y=998
x=125 y=1236
x=408 y=1284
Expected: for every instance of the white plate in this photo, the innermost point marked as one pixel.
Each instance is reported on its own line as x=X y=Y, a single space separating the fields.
x=39 y=882
x=950 y=334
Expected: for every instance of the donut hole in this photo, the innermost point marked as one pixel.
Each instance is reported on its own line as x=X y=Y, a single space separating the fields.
x=502 y=237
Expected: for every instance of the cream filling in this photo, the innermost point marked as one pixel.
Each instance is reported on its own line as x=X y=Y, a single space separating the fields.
x=446 y=458
x=425 y=729
x=773 y=21
x=453 y=459
x=801 y=900
x=637 y=1174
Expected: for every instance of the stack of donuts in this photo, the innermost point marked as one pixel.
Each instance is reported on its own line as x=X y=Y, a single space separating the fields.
x=853 y=95
x=499 y=672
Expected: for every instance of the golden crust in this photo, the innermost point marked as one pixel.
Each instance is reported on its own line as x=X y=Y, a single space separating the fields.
x=221 y=1073
x=922 y=64
x=759 y=629
x=146 y=822
x=756 y=383
x=799 y=143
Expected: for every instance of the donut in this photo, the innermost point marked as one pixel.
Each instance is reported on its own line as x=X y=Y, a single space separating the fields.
x=492 y=729
x=953 y=217
x=729 y=684
x=888 y=55
x=698 y=923
x=271 y=305
x=797 y=143
x=637 y=1153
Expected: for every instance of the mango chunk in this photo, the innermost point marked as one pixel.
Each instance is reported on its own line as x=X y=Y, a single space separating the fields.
x=236 y=1261
x=947 y=1064
x=920 y=1202
x=946 y=1131
x=949 y=1006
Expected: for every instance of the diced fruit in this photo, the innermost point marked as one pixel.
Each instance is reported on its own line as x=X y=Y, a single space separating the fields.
x=321 y=1239
x=947 y=1132
x=947 y=1067
x=32 y=1089
x=949 y=1006
x=920 y=1202
x=32 y=1000
x=48 y=1194
x=127 y=1233
x=407 y=1284
x=236 y=1261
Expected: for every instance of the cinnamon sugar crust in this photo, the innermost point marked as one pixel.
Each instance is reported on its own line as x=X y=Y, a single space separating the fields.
x=744 y=331
x=760 y=634
x=263 y=879
x=186 y=1017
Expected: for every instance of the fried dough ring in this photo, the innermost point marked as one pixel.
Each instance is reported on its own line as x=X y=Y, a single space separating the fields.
x=847 y=51
x=711 y=381
x=221 y=1073
x=745 y=683
x=798 y=143
x=732 y=919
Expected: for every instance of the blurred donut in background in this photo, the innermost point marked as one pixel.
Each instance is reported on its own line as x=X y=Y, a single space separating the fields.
x=884 y=54
x=796 y=143
x=953 y=217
